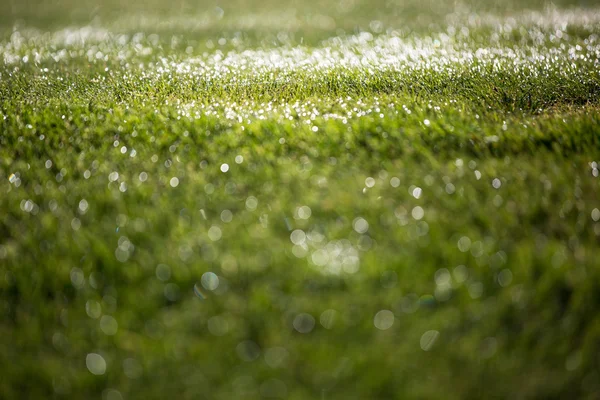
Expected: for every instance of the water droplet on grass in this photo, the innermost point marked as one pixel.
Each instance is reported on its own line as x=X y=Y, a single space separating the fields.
x=360 y=225
x=428 y=339
x=384 y=320
x=95 y=363
x=163 y=272
x=304 y=323
x=418 y=213
x=210 y=281
x=214 y=233
x=108 y=325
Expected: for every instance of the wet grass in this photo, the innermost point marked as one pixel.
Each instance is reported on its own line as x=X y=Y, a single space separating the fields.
x=237 y=202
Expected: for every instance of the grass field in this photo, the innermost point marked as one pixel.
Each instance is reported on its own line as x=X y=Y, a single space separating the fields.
x=359 y=199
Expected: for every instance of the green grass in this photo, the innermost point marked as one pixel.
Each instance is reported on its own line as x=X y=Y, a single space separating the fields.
x=362 y=201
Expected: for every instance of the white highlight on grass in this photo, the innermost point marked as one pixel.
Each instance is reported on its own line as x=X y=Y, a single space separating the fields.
x=428 y=339
x=251 y=203
x=304 y=323
x=384 y=320
x=108 y=325
x=418 y=213
x=210 y=281
x=298 y=237
x=214 y=233
x=360 y=225
x=95 y=363
x=417 y=192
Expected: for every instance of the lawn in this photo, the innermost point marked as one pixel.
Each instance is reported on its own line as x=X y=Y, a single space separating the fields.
x=354 y=199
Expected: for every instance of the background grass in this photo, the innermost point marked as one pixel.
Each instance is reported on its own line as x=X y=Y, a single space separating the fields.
x=325 y=162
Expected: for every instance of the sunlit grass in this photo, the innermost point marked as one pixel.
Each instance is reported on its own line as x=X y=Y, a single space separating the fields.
x=240 y=202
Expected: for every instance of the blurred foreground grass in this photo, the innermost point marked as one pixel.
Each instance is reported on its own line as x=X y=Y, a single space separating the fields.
x=353 y=201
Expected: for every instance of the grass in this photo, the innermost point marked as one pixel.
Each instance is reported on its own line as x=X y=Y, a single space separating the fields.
x=390 y=200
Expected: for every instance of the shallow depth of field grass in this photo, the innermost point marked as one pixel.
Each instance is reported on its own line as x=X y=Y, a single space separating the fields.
x=297 y=200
